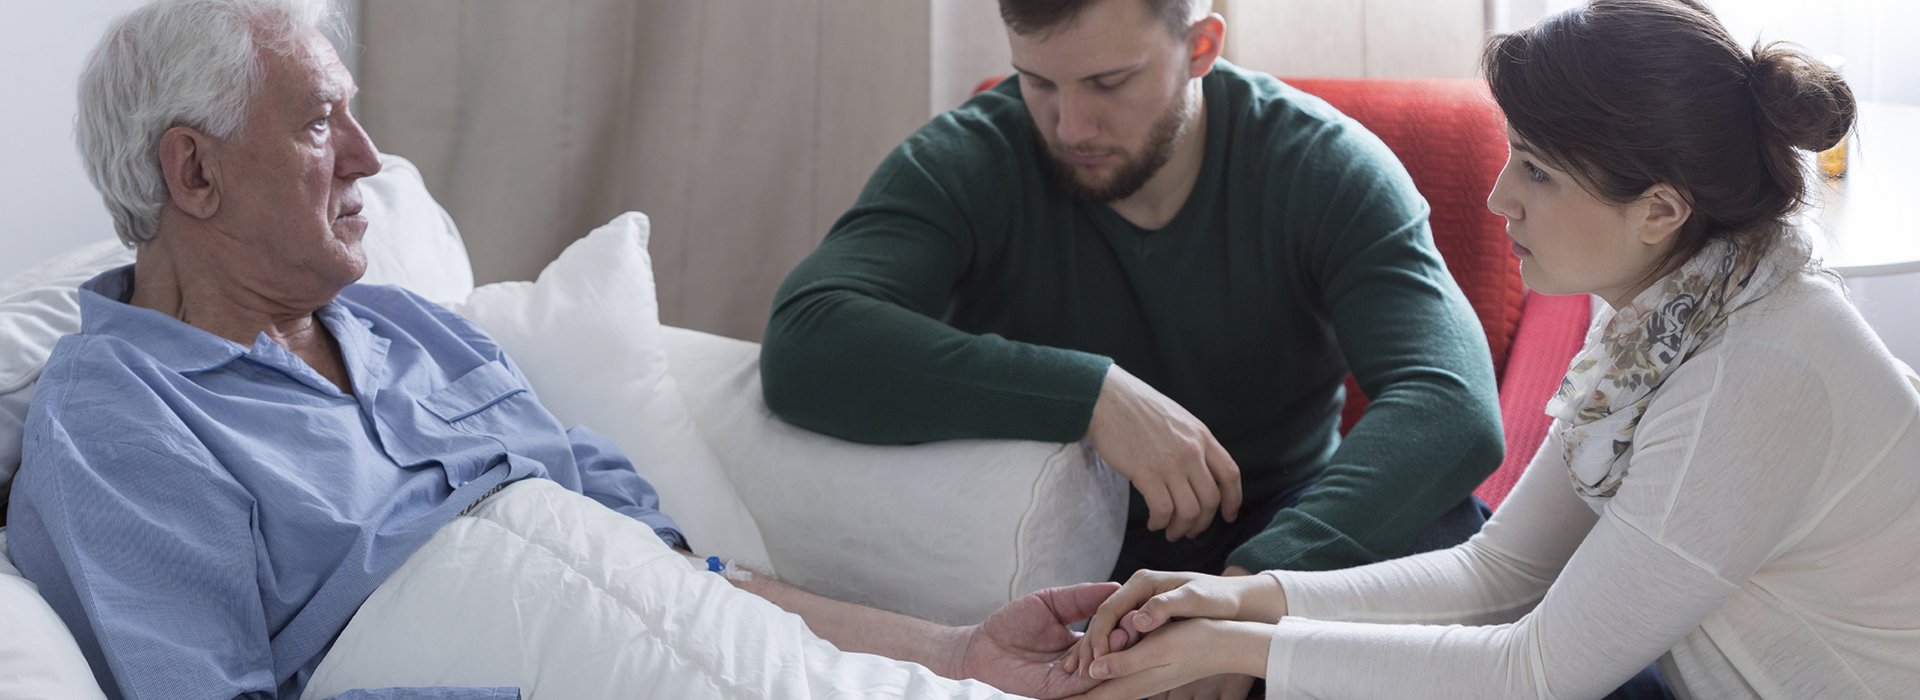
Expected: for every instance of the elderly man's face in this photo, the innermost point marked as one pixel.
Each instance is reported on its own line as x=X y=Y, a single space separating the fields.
x=289 y=199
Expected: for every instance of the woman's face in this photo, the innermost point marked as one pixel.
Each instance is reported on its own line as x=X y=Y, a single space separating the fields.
x=1568 y=240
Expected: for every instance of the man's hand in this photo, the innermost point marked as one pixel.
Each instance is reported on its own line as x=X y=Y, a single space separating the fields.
x=1179 y=654
x=1020 y=647
x=1169 y=455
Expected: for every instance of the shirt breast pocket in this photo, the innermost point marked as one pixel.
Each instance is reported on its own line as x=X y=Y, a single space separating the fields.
x=488 y=414
x=488 y=401
x=473 y=392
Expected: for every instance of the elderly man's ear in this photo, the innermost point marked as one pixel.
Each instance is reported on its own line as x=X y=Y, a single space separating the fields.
x=192 y=177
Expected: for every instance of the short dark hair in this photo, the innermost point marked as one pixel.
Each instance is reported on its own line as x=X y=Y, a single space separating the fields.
x=1030 y=17
x=1626 y=94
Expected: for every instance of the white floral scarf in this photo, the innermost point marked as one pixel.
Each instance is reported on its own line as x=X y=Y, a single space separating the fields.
x=1629 y=354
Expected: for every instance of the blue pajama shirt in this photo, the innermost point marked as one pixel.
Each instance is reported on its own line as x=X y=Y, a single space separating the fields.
x=207 y=516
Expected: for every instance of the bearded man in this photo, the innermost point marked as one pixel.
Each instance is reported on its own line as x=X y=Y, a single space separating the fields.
x=1137 y=244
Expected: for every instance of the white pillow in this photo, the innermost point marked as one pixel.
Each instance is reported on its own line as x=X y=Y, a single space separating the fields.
x=587 y=335
x=410 y=242
x=38 y=657
x=37 y=307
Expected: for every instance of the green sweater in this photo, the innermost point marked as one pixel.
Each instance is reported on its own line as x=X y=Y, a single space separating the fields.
x=960 y=298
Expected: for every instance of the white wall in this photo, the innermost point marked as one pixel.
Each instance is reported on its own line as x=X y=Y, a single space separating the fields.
x=1873 y=35
x=49 y=203
x=1356 y=38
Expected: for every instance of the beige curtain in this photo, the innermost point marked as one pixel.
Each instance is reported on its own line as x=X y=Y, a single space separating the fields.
x=745 y=127
x=741 y=128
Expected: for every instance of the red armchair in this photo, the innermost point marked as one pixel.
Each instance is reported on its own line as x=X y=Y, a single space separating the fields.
x=1453 y=141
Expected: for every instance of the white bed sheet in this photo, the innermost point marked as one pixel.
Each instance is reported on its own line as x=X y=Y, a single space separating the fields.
x=546 y=590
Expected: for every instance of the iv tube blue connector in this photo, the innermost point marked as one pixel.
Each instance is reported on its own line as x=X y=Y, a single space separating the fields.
x=725 y=568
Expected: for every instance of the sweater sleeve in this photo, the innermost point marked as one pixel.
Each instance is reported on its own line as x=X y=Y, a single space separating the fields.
x=1431 y=431
x=1494 y=578
x=857 y=348
x=1717 y=483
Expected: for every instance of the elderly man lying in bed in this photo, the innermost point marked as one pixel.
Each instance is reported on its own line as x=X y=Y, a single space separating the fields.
x=241 y=445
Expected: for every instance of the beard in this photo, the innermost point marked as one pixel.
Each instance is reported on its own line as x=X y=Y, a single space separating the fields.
x=1135 y=168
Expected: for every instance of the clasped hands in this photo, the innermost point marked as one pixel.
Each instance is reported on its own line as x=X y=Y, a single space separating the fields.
x=1185 y=477
x=1160 y=631
x=1165 y=630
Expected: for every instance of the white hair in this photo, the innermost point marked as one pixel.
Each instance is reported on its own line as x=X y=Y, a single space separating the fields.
x=175 y=63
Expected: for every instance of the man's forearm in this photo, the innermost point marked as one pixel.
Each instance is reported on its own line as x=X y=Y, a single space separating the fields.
x=859 y=628
x=852 y=366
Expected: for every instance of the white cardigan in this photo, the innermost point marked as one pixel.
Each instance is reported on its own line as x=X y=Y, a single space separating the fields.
x=1765 y=543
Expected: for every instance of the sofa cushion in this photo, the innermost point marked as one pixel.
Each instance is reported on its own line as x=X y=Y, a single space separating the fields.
x=1551 y=332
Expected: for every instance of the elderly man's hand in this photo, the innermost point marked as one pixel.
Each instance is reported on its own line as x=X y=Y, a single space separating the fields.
x=1171 y=458
x=1021 y=647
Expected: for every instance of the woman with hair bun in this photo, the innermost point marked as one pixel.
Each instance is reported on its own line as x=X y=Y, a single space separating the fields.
x=1731 y=486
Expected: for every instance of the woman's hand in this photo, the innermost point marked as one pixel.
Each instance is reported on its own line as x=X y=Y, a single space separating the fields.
x=1181 y=653
x=1151 y=599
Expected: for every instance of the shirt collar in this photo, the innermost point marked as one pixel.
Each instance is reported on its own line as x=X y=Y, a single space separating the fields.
x=178 y=345
x=104 y=311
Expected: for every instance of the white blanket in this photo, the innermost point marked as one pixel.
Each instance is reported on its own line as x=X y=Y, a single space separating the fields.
x=547 y=590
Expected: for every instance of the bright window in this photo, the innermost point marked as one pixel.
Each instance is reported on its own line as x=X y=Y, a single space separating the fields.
x=1875 y=37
